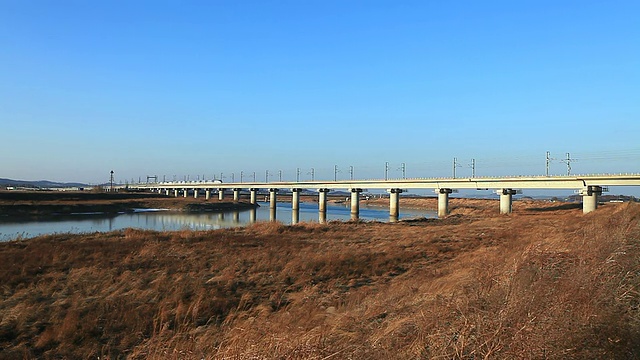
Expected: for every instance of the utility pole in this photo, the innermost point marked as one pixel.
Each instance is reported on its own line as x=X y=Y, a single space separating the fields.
x=568 y=161
x=280 y=175
x=403 y=168
x=335 y=172
x=549 y=159
x=455 y=165
x=266 y=176
x=313 y=174
x=164 y=178
x=386 y=170
x=297 y=174
x=233 y=177
x=241 y=175
x=351 y=172
x=111 y=182
x=221 y=177
x=254 y=176
x=473 y=168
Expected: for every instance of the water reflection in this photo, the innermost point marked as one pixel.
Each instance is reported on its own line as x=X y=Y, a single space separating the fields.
x=165 y=221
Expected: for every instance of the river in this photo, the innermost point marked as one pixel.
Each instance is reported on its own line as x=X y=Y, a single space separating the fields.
x=151 y=219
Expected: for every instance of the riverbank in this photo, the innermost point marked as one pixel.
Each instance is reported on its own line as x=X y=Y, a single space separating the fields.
x=544 y=282
x=43 y=204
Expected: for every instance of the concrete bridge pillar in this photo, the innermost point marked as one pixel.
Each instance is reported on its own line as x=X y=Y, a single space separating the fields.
x=253 y=195
x=220 y=194
x=590 y=198
x=322 y=205
x=175 y=192
x=272 y=203
x=236 y=195
x=443 y=202
x=195 y=193
x=166 y=192
x=355 y=204
x=207 y=194
x=186 y=192
x=295 y=206
x=394 y=204
x=506 y=200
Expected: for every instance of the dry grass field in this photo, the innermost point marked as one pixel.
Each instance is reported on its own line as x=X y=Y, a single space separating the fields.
x=545 y=282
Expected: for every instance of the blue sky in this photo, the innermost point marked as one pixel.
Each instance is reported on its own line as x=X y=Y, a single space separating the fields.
x=200 y=88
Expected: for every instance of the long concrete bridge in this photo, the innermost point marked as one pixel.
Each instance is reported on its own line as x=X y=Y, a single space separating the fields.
x=590 y=187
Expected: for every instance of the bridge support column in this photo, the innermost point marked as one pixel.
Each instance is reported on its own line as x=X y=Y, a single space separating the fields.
x=355 y=204
x=220 y=194
x=322 y=205
x=253 y=195
x=186 y=192
x=590 y=198
x=207 y=194
x=443 y=202
x=236 y=195
x=195 y=193
x=506 y=200
x=175 y=192
x=394 y=204
x=295 y=206
x=166 y=192
x=272 y=203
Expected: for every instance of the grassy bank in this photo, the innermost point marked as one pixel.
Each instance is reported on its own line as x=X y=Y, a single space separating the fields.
x=546 y=282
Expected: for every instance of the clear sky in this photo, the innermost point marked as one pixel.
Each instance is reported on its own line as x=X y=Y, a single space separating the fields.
x=200 y=88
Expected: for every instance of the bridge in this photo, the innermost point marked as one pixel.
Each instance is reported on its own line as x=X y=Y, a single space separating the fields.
x=590 y=187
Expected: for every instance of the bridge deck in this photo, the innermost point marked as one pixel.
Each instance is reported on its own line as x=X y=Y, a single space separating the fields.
x=519 y=182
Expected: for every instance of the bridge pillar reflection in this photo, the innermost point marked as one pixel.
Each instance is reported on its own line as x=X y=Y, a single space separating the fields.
x=207 y=194
x=253 y=195
x=272 y=203
x=295 y=205
x=322 y=205
x=221 y=194
x=506 y=200
x=590 y=197
x=394 y=204
x=443 y=202
x=236 y=195
x=355 y=203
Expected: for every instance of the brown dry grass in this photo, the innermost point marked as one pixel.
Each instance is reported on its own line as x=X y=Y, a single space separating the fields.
x=542 y=283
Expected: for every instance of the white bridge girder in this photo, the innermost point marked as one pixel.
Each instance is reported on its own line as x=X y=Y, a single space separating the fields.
x=535 y=182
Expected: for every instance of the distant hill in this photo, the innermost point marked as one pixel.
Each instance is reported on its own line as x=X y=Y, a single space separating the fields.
x=39 y=183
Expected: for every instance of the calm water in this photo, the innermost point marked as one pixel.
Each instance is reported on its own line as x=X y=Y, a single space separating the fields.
x=162 y=220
